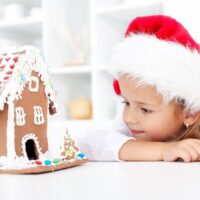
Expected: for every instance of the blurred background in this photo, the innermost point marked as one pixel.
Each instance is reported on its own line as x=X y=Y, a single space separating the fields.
x=77 y=37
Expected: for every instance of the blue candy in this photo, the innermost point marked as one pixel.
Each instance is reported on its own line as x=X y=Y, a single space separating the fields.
x=81 y=155
x=47 y=162
x=22 y=77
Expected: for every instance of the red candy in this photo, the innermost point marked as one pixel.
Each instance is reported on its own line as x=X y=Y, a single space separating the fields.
x=6 y=78
x=38 y=162
x=9 y=72
x=116 y=87
x=2 y=66
x=12 y=66
x=15 y=58
x=7 y=59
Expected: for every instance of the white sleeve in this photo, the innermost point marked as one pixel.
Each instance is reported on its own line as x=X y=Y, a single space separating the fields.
x=104 y=144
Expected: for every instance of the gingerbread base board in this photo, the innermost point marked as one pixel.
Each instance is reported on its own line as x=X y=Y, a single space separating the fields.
x=43 y=169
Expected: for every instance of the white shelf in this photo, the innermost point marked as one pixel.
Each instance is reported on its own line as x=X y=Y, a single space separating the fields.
x=27 y=21
x=83 y=69
x=27 y=27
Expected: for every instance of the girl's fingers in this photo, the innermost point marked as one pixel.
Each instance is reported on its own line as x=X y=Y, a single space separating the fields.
x=193 y=151
x=185 y=155
x=192 y=147
x=197 y=143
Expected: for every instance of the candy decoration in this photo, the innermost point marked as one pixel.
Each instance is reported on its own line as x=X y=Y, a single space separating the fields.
x=52 y=108
x=12 y=66
x=2 y=66
x=56 y=160
x=1 y=59
x=9 y=72
x=22 y=77
x=6 y=78
x=7 y=59
x=68 y=150
x=81 y=155
x=15 y=59
x=47 y=162
x=38 y=162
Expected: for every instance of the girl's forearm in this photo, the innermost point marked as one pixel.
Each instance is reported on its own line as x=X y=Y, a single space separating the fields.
x=141 y=151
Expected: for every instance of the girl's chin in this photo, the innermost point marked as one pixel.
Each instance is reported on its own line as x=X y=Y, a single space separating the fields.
x=141 y=137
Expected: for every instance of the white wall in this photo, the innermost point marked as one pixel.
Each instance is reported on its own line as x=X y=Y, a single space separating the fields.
x=188 y=13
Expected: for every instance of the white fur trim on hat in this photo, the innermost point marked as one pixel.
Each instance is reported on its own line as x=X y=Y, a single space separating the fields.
x=173 y=69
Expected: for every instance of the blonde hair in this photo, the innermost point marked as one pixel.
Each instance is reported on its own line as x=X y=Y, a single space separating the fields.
x=192 y=131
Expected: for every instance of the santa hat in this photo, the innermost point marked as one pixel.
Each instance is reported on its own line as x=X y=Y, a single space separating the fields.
x=159 y=51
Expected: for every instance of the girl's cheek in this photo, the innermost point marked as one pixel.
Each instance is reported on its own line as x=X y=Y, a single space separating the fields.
x=152 y=125
x=124 y=114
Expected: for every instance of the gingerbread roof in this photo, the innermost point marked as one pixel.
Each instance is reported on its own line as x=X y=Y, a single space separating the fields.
x=16 y=66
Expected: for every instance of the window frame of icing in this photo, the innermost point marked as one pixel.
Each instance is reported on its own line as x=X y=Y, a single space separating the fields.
x=30 y=85
x=38 y=115
x=20 y=116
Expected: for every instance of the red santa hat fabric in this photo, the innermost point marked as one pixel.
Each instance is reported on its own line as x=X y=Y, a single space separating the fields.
x=159 y=51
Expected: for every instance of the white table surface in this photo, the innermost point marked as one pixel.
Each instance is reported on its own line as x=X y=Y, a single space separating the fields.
x=107 y=180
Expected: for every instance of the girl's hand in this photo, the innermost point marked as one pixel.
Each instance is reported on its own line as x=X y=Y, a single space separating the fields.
x=187 y=150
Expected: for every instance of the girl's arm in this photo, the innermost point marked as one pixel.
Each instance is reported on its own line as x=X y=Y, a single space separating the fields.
x=188 y=150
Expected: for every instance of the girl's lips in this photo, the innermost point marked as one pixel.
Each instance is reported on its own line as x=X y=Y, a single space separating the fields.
x=135 y=132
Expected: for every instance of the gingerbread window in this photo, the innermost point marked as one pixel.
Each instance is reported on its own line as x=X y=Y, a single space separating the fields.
x=20 y=116
x=34 y=84
x=38 y=115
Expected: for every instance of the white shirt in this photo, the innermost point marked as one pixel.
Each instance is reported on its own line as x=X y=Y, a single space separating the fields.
x=103 y=144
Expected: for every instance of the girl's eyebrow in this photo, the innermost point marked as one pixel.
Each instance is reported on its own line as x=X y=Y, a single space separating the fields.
x=140 y=102
x=123 y=97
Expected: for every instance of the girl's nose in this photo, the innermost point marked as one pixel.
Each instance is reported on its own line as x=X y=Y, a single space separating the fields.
x=131 y=117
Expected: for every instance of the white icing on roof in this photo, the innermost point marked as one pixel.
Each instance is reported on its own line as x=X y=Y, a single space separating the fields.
x=16 y=66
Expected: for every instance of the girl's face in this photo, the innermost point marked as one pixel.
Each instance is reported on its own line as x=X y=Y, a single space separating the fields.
x=145 y=114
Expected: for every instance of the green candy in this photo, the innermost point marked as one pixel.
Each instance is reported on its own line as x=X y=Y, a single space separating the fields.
x=56 y=160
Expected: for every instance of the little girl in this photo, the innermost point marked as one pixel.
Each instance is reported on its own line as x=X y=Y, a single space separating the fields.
x=157 y=74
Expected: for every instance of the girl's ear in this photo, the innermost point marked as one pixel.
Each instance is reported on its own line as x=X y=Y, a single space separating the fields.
x=190 y=119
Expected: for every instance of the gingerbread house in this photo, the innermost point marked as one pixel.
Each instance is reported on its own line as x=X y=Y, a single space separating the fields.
x=26 y=100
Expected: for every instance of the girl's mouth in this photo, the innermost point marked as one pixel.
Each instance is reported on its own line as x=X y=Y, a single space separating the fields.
x=135 y=132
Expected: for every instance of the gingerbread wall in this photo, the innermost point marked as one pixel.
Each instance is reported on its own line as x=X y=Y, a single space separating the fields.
x=3 y=130
x=30 y=99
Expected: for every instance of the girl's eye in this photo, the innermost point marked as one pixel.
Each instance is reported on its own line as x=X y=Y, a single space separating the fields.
x=146 y=110
x=126 y=103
